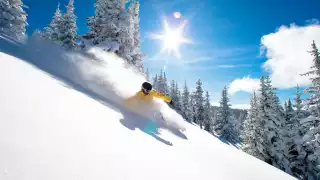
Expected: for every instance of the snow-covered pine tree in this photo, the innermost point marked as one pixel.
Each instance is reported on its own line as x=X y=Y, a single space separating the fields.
x=155 y=82
x=297 y=101
x=136 y=53
x=125 y=38
x=285 y=108
x=208 y=123
x=13 y=19
x=313 y=102
x=310 y=126
x=52 y=31
x=68 y=31
x=278 y=123
x=199 y=104
x=165 y=84
x=279 y=111
x=289 y=111
x=250 y=126
x=263 y=116
x=178 y=103
x=242 y=117
x=235 y=127
x=147 y=75
x=193 y=107
x=293 y=148
x=310 y=146
x=160 y=82
x=162 y=85
x=270 y=119
x=222 y=124
x=173 y=92
x=104 y=25
x=186 y=104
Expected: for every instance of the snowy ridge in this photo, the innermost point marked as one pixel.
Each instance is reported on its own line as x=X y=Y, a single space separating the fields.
x=62 y=118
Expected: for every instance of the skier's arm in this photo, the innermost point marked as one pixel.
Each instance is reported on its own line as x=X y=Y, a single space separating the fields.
x=162 y=96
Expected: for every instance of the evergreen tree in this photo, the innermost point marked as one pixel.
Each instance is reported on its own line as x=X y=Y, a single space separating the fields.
x=262 y=117
x=250 y=126
x=222 y=124
x=136 y=52
x=155 y=82
x=178 y=103
x=52 y=31
x=271 y=119
x=208 y=114
x=242 y=117
x=310 y=147
x=310 y=126
x=297 y=101
x=162 y=85
x=186 y=104
x=104 y=25
x=174 y=94
x=193 y=107
x=277 y=124
x=13 y=19
x=290 y=111
x=285 y=109
x=313 y=102
x=125 y=38
x=165 y=83
x=199 y=104
x=293 y=149
x=68 y=31
x=148 y=75
x=160 y=82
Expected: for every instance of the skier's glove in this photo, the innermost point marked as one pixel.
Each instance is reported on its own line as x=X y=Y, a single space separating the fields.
x=171 y=102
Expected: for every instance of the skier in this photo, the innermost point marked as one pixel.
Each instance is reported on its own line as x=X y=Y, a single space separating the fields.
x=147 y=93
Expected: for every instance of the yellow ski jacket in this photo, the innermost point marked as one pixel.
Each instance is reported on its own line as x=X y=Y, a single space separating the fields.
x=148 y=97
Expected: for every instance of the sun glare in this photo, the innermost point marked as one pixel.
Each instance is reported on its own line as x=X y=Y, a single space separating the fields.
x=172 y=39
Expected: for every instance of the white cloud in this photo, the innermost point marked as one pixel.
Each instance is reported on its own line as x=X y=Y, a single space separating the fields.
x=246 y=84
x=215 y=103
x=240 y=106
x=233 y=106
x=287 y=54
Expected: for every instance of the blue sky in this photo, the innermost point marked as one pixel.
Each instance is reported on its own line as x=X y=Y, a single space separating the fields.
x=226 y=36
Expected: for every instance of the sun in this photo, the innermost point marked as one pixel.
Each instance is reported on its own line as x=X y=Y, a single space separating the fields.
x=172 y=38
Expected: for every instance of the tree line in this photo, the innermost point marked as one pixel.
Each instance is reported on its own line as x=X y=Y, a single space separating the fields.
x=195 y=107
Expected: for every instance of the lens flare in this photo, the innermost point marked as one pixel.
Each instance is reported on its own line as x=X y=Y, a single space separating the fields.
x=177 y=15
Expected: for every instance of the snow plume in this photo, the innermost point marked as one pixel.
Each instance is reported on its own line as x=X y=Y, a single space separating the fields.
x=109 y=72
x=118 y=80
x=109 y=75
x=100 y=74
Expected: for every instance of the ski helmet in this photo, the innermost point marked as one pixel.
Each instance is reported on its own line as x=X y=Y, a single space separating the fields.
x=147 y=87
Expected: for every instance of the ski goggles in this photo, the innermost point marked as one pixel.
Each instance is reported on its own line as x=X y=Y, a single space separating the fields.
x=147 y=91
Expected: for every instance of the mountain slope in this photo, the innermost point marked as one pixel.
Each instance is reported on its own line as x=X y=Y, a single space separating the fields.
x=49 y=130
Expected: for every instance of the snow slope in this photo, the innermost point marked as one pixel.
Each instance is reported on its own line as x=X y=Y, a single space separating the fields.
x=50 y=129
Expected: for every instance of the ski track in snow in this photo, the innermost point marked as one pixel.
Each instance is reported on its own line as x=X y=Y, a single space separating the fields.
x=52 y=129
